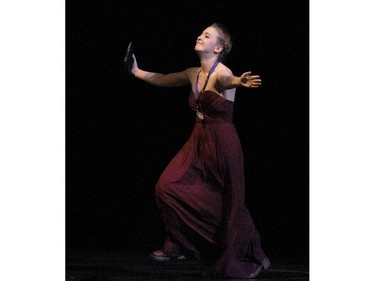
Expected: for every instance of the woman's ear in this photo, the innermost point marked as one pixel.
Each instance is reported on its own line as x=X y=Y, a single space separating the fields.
x=218 y=49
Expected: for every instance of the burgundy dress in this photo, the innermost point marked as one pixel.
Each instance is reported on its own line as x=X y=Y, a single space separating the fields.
x=201 y=193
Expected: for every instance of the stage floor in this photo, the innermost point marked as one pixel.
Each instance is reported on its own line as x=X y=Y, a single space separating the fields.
x=109 y=266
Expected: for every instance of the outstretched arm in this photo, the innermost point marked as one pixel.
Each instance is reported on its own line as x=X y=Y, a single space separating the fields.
x=229 y=81
x=158 y=79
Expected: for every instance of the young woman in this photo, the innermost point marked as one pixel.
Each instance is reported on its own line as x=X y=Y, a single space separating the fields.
x=201 y=193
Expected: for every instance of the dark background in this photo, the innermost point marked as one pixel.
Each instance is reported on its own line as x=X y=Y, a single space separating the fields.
x=121 y=132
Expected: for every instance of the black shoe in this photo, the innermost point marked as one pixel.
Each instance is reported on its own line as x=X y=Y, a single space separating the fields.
x=128 y=59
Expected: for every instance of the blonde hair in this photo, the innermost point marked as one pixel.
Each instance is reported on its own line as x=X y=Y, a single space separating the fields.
x=224 y=39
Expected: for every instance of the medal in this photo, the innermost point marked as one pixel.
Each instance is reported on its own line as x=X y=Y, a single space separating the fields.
x=200 y=115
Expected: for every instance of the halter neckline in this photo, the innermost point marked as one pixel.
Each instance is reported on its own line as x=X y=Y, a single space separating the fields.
x=196 y=91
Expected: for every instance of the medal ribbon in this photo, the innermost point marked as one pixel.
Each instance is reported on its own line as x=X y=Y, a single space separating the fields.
x=212 y=69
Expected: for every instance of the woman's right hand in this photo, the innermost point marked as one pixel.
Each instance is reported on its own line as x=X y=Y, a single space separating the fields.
x=134 y=68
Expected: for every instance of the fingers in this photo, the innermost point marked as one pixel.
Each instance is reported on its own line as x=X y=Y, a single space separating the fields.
x=252 y=76
x=134 y=61
x=251 y=81
x=254 y=81
x=248 y=74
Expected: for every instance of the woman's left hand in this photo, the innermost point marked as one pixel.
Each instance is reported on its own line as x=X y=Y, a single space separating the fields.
x=250 y=81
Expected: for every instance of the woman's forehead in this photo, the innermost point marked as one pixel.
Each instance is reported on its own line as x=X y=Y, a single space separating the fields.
x=211 y=30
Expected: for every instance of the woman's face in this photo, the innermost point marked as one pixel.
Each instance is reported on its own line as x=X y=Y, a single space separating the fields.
x=207 y=41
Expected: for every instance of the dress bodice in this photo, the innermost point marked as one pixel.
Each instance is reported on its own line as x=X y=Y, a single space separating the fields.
x=215 y=108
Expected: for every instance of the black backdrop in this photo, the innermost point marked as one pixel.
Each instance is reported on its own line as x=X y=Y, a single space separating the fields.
x=121 y=132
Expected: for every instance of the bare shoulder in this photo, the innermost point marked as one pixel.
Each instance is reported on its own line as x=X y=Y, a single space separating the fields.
x=223 y=70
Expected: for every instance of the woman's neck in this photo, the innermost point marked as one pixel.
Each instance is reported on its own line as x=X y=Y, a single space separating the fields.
x=207 y=62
